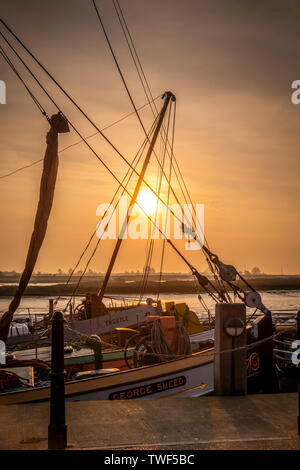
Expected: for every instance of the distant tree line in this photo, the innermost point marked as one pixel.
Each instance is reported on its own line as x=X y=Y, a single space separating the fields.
x=255 y=271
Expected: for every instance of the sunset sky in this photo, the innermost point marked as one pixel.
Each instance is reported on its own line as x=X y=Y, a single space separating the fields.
x=229 y=63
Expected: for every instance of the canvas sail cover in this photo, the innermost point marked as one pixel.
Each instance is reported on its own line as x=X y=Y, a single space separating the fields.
x=58 y=124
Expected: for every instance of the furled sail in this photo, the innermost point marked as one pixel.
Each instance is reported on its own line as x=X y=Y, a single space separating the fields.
x=58 y=125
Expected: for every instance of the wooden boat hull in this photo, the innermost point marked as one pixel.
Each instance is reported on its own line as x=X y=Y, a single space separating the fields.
x=187 y=377
x=103 y=324
x=128 y=318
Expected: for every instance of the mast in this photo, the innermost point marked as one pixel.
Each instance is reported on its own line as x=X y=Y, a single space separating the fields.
x=168 y=96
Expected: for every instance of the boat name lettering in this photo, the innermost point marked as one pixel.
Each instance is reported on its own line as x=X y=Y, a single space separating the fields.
x=115 y=321
x=143 y=390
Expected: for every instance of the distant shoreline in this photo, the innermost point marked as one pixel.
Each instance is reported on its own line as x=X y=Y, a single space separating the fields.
x=126 y=284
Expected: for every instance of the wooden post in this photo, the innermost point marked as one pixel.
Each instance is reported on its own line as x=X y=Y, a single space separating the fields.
x=71 y=311
x=57 y=429
x=51 y=305
x=230 y=374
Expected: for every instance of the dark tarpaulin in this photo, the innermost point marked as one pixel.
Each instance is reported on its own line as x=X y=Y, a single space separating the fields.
x=58 y=124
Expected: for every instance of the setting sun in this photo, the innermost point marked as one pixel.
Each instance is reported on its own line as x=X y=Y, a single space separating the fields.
x=147 y=201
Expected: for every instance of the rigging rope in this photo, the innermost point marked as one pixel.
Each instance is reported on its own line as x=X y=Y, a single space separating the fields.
x=158 y=190
x=73 y=102
x=84 y=140
x=33 y=97
x=212 y=257
x=70 y=123
x=130 y=96
x=79 y=108
x=137 y=63
x=168 y=200
x=148 y=94
x=140 y=151
x=143 y=78
x=120 y=184
x=79 y=141
x=128 y=91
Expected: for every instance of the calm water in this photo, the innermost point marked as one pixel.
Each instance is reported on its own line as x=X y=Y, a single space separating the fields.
x=288 y=300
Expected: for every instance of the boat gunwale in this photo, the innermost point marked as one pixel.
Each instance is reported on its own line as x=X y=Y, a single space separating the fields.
x=5 y=397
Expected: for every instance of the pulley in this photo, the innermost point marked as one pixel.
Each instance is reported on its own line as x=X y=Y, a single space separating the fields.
x=227 y=272
x=203 y=281
x=253 y=300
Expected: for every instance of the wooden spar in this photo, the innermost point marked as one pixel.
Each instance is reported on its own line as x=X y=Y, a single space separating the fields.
x=59 y=124
x=168 y=96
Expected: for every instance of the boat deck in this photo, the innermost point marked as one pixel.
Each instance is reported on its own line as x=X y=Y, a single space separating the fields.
x=250 y=422
x=84 y=354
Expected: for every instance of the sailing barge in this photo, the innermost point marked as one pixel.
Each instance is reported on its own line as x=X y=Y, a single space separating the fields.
x=175 y=370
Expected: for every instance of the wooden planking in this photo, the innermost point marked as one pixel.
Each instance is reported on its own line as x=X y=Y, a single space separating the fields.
x=123 y=378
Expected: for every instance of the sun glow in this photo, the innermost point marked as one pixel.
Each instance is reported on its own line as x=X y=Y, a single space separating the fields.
x=147 y=201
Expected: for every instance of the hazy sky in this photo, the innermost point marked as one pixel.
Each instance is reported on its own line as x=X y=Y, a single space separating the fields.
x=230 y=65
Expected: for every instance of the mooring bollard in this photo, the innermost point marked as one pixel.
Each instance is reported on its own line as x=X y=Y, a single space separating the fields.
x=57 y=429
x=230 y=334
x=298 y=338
